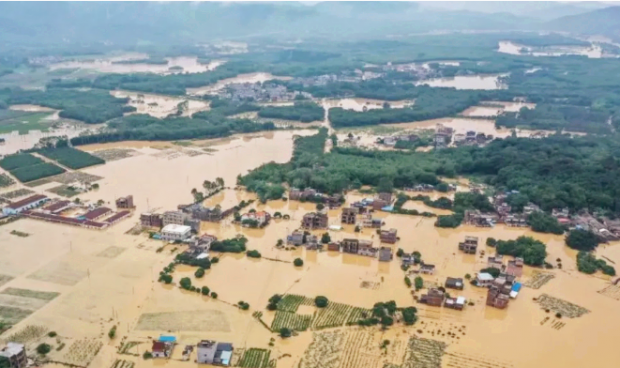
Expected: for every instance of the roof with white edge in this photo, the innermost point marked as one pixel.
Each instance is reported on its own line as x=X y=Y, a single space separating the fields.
x=177 y=229
x=483 y=276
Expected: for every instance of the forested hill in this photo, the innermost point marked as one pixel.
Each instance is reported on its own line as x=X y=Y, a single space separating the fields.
x=598 y=22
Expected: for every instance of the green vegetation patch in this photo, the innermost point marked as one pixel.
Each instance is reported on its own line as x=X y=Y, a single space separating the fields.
x=291 y=302
x=64 y=191
x=30 y=173
x=305 y=112
x=4 y=279
x=26 y=167
x=255 y=358
x=13 y=315
x=6 y=181
x=292 y=321
x=25 y=123
x=334 y=315
x=43 y=295
x=71 y=157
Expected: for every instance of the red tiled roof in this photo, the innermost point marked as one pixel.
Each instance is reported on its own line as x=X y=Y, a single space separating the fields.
x=97 y=212
x=159 y=346
x=26 y=201
x=57 y=206
x=117 y=217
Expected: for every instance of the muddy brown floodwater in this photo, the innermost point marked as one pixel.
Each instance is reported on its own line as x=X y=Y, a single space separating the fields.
x=160 y=106
x=109 y=278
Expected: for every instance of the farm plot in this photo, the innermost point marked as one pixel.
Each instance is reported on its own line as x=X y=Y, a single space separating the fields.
x=255 y=358
x=360 y=350
x=424 y=353
x=201 y=320
x=566 y=309
x=26 y=167
x=27 y=334
x=324 y=351
x=466 y=360
x=43 y=295
x=6 y=181
x=293 y=321
x=64 y=191
x=120 y=363
x=111 y=252
x=82 y=352
x=71 y=157
x=129 y=348
x=291 y=302
x=538 y=279
x=358 y=313
x=114 y=154
x=334 y=315
x=59 y=272
x=611 y=291
x=16 y=194
x=72 y=177
x=17 y=304
x=4 y=279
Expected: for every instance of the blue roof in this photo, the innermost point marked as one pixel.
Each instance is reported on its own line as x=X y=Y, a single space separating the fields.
x=516 y=286
x=165 y=338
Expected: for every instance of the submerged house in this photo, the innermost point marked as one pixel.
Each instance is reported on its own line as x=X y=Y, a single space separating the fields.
x=162 y=348
x=470 y=245
x=314 y=220
x=215 y=353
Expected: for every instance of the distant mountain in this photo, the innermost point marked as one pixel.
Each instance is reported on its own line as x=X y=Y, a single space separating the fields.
x=26 y=23
x=604 y=22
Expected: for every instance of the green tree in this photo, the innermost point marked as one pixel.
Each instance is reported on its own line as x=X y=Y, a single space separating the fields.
x=112 y=332
x=285 y=332
x=165 y=278
x=325 y=238
x=298 y=262
x=186 y=283
x=320 y=206
x=213 y=295
x=491 y=242
x=200 y=272
x=418 y=282
x=321 y=301
x=205 y=290
x=491 y=271
x=409 y=315
x=386 y=185
x=43 y=349
x=400 y=252
x=407 y=281
x=253 y=253
x=582 y=240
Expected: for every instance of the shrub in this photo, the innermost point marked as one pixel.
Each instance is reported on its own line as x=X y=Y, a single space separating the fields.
x=186 y=283
x=165 y=278
x=243 y=305
x=491 y=242
x=418 y=282
x=43 y=349
x=407 y=281
x=285 y=332
x=147 y=355
x=253 y=253
x=321 y=301
x=52 y=334
x=199 y=272
x=467 y=276
x=112 y=332
x=215 y=260
x=400 y=252
x=205 y=290
x=213 y=295
x=558 y=315
x=298 y=262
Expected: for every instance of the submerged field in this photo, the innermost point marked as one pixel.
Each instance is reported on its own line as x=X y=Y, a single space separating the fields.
x=82 y=282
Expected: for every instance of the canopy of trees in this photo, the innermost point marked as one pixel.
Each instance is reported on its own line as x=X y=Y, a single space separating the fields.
x=582 y=240
x=302 y=111
x=531 y=250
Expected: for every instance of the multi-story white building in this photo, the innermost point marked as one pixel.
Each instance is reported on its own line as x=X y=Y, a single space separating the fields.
x=174 y=232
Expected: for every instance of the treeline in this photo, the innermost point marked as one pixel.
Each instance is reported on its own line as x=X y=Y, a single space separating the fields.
x=302 y=111
x=91 y=107
x=553 y=172
x=173 y=84
x=147 y=128
x=558 y=117
x=431 y=103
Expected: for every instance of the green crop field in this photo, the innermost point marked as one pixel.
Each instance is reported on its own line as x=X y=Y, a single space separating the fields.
x=293 y=321
x=26 y=167
x=71 y=157
x=255 y=358
x=334 y=315
x=23 y=122
x=291 y=302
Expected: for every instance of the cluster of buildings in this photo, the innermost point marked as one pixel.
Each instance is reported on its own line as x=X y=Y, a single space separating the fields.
x=173 y=225
x=502 y=214
x=322 y=80
x=391 y=141
x=41 y=207
x=437 y=297
x=255 y=219
x=311 y=195
x=504 y=287
x=445 y=135
x=362 y=248
x=207 y=351
x=260 y=92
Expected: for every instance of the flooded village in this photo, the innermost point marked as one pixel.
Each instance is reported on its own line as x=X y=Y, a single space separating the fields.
x=133 y=240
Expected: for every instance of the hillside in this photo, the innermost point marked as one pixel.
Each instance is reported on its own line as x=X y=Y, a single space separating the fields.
x=598 y=22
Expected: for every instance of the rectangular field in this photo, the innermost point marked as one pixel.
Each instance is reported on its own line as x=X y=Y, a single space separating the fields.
x=202 y=320
x=291 y=302
x=71 y=157
x=293 y=321
x=255 y=358
x=43 y=295
x=34 y=172
x=334 y=315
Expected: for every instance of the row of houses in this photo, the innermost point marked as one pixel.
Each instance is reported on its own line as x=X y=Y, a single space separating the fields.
x=312 y=195
x=208 y=351
x=41 y=207
x=437 y=297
